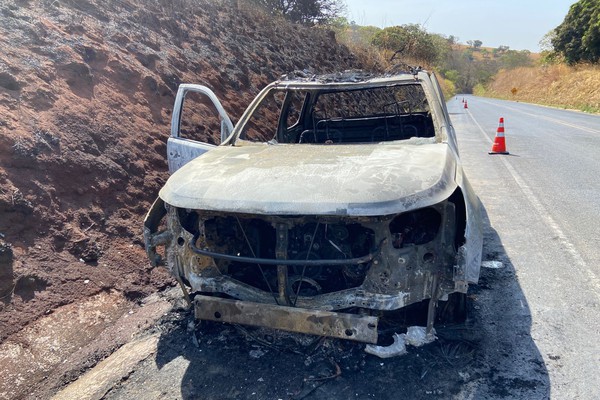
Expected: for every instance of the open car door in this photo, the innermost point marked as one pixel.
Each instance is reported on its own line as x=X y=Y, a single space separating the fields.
x=181 y=150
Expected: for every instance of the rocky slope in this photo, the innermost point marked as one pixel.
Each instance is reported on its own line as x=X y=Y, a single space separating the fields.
x=86 y=89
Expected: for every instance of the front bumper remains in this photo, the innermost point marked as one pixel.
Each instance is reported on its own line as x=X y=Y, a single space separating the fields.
x=292 y=319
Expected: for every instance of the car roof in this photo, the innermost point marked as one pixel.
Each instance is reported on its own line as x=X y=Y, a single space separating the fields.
x=344 y=80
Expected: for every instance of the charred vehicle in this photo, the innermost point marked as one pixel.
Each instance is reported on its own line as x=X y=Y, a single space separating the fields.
x=334 y=202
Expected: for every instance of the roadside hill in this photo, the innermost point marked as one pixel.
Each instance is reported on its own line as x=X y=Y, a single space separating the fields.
x=86 y=90
x=575 y=87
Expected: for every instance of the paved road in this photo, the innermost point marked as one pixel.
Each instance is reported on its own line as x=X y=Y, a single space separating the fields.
x=533 y=330
x=543 y=200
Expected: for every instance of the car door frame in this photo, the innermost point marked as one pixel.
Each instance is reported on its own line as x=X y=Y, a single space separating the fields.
x=180 y=150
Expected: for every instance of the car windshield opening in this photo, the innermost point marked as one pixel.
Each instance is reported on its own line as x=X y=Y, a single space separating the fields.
x=341 y=116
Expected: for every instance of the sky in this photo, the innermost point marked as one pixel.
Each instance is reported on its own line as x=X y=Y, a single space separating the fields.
x=519 y=24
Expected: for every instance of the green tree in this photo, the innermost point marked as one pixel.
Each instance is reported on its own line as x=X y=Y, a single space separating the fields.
x=578 y=37
x=443 y=48
x=548 y=55
x=305 y=11
x=409 y=41
x=476 y=44
x=546 y=41
x=452 y=75
x=512 y=59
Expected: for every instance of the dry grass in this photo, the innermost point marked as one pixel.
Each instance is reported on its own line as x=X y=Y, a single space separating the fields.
x=562 y=86
x=368 y=56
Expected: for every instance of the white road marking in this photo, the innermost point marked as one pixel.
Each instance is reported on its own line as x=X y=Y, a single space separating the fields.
x=545 y=215
x=558 y=121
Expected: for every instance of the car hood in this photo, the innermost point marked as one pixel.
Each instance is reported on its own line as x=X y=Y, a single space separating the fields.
x=361 y=180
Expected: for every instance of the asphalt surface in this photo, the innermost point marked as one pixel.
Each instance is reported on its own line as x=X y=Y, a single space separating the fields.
x=543 y=200
x=533 y=330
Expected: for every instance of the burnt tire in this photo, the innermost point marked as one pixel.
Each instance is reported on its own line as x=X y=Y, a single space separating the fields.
x=453 y=311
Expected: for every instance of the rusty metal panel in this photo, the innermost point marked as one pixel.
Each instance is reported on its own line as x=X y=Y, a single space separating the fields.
x=292 y=319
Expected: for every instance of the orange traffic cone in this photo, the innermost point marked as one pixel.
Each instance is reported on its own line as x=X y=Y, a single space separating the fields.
x=466 y=105
x=499 y=146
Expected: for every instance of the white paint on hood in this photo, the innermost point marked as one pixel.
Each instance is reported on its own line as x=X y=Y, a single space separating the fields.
x=373 y=179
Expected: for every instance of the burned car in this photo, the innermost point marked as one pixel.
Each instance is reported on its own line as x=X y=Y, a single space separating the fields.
x=335 y=202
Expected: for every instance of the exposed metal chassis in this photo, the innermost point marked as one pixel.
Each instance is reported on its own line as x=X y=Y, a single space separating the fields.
x=361 y=328
x=396 y=278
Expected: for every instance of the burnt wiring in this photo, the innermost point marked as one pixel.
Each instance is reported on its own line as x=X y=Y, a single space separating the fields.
x=311 y=348
x=312 y=240
x=335 y=246
x=262 y=272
